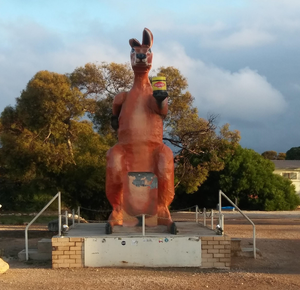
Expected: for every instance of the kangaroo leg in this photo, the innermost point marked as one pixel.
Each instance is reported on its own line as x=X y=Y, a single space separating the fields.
x=114 y=185
x=165 y=174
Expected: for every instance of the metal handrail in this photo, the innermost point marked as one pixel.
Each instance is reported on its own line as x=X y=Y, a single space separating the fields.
x=233 y=204
x=58 y=195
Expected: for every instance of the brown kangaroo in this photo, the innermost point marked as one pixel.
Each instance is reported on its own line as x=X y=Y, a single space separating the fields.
x=140 y=167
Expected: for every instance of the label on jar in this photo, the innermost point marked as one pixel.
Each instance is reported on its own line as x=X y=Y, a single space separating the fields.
x=159 y=84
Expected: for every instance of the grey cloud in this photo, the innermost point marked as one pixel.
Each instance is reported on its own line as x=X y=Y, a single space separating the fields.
x=244 y=94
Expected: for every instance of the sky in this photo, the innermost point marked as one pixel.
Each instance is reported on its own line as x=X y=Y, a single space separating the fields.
x=241 y=58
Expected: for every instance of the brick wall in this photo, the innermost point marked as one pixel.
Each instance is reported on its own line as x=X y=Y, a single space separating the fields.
x=216 y=252
x=67 y=252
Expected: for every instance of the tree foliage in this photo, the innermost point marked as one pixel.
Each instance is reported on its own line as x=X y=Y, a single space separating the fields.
x=272 y=155
x=44 y=142
x=293 y=153
x=99 y=83
x=249 y=177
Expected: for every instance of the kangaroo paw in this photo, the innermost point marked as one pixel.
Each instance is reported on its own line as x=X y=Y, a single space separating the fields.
x=108 y=229
x=114 y=122
x=160 y=95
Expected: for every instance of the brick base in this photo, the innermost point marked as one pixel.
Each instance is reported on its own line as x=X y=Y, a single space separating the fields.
x=216 y=252
x=67 y=252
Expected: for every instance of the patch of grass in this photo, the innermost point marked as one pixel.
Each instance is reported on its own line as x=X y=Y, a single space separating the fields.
x=23 y=219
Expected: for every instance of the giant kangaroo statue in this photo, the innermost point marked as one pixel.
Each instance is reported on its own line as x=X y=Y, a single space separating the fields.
x=140 y=167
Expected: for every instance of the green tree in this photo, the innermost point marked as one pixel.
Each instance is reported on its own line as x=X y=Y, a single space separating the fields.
x=293 y=153
x=272 y=155
x=45 y=142
x=249 y=177
x=281 y=156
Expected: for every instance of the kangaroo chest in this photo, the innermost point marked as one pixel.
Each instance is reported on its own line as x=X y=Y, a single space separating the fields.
x=138 y=122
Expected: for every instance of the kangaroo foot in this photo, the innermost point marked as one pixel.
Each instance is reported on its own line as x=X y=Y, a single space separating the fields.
x=173 y=228
x=108 y=229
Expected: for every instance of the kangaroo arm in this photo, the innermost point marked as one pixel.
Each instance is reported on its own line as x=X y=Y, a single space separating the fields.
x=117 y=103
x=117 y=106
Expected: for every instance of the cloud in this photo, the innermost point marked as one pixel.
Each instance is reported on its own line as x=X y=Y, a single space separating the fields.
x=243 y=38
x=30 y=47
x=244 y=95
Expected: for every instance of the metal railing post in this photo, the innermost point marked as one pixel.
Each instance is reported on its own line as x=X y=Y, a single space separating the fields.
x=212 y=219
x=73 y=217
x=220 y=209
x=220 y=202
x=204 y=217
x=222 y=224
x=59 y=214
x=254 y=242
x=253 y=225
x=197 y=213
x=66 y=218
x=143 y=224
x=27 y=227
x=78 y=213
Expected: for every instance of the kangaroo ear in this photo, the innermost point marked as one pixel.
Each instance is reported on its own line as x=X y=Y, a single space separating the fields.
x=134 y=42
x=147 y=37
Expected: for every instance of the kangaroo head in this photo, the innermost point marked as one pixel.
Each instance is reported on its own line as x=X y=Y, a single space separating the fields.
x=141 y=54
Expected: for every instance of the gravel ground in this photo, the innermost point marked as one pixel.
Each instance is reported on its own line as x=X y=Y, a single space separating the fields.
x=278 y=267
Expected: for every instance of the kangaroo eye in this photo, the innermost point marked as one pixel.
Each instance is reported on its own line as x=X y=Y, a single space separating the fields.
x=149 y=50
x=132 y=50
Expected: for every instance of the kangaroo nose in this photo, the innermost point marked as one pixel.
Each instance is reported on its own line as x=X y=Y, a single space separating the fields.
x=141 y=55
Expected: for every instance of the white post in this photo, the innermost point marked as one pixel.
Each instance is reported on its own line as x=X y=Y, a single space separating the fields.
x=143 y=224
x=220 y=209
x=66 y=218
x=222 y=224
x=59 y=214
x=78 y=213
x=204 y=217
x=73 y=217
x=197 y=213
x=254 y=243
x=220 y=202
x=212 y=219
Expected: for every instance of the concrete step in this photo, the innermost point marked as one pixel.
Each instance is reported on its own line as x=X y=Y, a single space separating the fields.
x=235 y=247
x=42 y=253
x=45 y=246
x=248 y=252
x=33 y=254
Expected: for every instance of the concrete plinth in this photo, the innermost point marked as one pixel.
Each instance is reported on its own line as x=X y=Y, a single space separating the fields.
x=87 y=245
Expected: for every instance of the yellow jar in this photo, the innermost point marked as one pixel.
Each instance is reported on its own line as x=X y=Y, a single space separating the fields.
x=159 y=84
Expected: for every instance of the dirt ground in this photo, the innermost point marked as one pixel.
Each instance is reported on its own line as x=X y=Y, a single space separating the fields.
x=278 y=266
